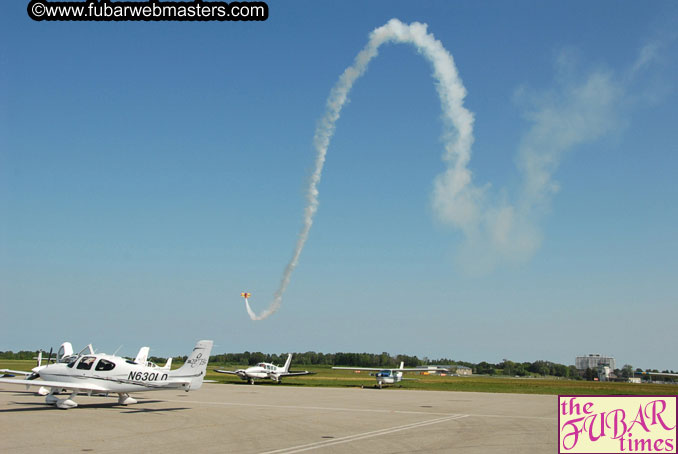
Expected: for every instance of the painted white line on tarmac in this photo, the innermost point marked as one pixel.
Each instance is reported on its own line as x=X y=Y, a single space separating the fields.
x=362 y=436
x=545 y=418
x=301 y=407
x=365 y=410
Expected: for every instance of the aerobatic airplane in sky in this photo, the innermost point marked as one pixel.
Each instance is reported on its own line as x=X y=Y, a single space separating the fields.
x=390 y=376
x=99 y=373
x=266 y=370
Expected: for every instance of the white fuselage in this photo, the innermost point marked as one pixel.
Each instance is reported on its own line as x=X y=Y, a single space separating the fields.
x=261 y=370
x=103 y=374
x=388 y=377
x=112 y=373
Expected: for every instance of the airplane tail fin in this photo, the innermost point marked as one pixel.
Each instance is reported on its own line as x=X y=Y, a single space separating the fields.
x=142 y=356
x=196 y=365
x=288 y=362
x=402 y=364
x=168 y=364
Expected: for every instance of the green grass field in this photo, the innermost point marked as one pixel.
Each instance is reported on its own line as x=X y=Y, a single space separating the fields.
x=325 y=376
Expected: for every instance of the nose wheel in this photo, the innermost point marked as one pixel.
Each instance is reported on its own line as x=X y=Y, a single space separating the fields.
x=51 y=399
x=65 y=404
x=125 y=399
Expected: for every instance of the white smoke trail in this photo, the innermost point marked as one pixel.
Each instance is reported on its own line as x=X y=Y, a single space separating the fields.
x=460 y=198
x=252 y=315
x=581 y=110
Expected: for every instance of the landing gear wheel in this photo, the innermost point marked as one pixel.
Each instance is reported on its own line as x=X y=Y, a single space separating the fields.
x=51 y=399
x=125 y=399
x=65 y=404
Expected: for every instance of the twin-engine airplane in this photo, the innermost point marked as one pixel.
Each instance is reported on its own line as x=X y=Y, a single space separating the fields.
x=389 y=376
x=266 y=370
x=99 y=373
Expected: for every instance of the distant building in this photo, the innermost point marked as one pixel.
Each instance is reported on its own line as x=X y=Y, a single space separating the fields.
x=432 y=370
x=593 y=361
x=463 y=370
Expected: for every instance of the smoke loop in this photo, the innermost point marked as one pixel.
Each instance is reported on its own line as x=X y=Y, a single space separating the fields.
x=452 y=188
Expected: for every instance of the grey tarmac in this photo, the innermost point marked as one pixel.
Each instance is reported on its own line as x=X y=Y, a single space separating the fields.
x=282 y=420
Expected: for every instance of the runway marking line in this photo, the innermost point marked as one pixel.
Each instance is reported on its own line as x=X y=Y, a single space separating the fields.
x=301 y=407
x=362 y=436
x=366 y=410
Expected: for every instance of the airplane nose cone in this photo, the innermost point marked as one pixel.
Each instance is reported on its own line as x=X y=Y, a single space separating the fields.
x=35 y=374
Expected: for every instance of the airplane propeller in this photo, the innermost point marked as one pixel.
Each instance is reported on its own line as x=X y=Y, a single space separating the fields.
x=35 y=375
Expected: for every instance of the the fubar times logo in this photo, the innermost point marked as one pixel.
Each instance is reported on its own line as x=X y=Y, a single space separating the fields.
x=617 y=424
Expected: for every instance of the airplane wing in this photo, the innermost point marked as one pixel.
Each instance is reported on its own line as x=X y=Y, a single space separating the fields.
x=290 y=374
x=658 y=374
x=377 y=369
x=88 y=386
x=421 y=370
x=230 y=372
x=55 y=384
x=17 y=372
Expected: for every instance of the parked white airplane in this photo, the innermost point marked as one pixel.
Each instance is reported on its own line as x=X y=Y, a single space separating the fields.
x=65 y=355
x=102 y=374
x=390 y=376
x=266 y=370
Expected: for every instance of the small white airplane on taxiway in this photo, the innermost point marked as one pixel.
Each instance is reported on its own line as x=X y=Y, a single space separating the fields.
x=99 y=373
x=65 y=355
x=266 y=370
x=391 y=376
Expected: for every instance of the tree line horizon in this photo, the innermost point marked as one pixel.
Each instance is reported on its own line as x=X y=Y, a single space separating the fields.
x=386 y=361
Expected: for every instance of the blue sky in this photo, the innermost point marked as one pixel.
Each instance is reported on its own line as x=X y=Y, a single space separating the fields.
x=150 y=172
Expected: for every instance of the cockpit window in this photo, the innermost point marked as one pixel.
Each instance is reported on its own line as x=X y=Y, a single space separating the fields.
x=86 y=363
x=104 y=365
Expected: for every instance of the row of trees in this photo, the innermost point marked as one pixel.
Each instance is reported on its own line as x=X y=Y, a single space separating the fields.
x=539 y=367
x=385 y=360
x=315 y=359
x=23 y=354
